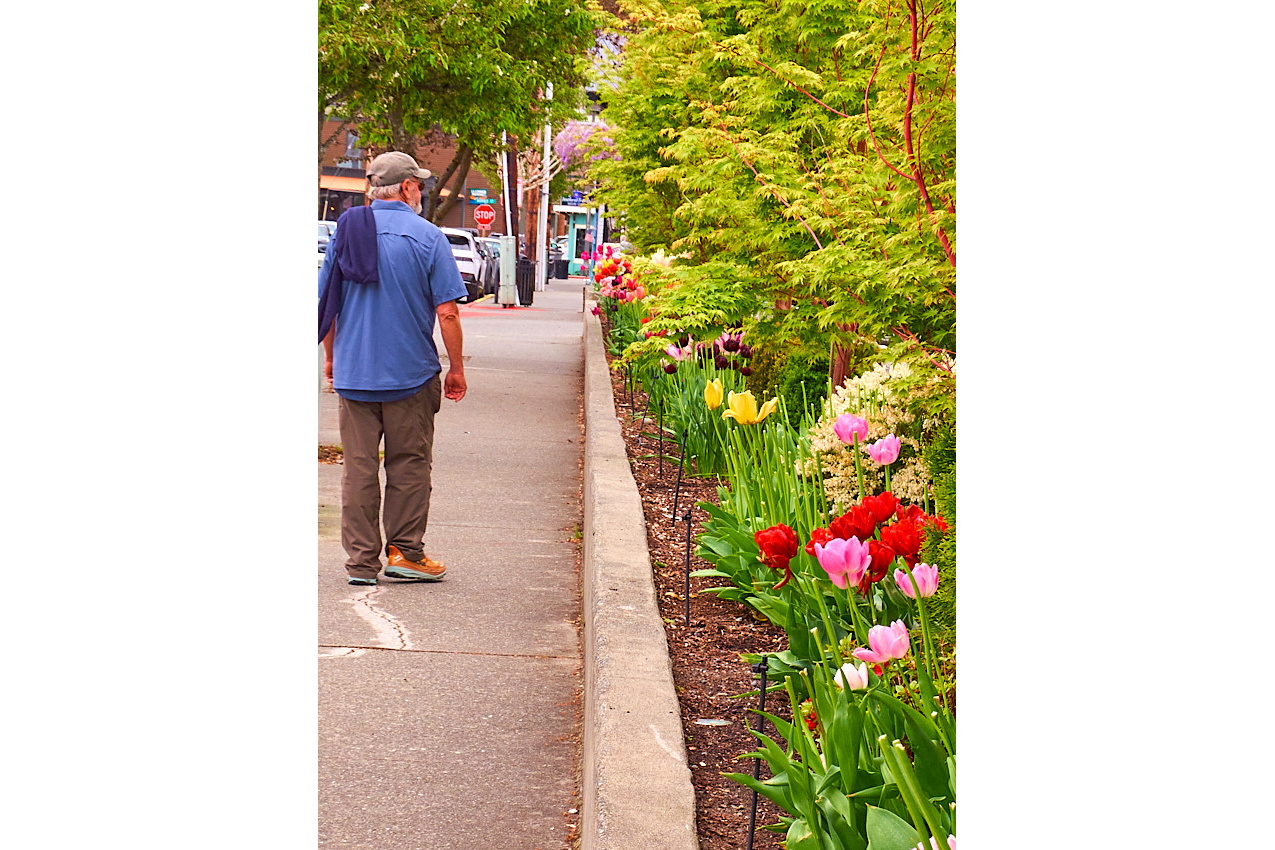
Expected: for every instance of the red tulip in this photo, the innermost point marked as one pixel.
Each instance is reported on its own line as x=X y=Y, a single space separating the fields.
x=778 y=545
x=856 y=522
x=820 y=536
x=882 y=556
x=882 y=506
x=777 y=542
x=905 y=538
x=911 y=513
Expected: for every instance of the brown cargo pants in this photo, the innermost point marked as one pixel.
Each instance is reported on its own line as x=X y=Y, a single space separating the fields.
x=407 y=426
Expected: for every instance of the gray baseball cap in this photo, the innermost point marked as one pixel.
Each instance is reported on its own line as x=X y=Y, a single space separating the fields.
x=392 y=168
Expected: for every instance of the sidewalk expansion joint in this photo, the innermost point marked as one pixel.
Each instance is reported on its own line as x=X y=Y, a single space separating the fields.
x=356 y=648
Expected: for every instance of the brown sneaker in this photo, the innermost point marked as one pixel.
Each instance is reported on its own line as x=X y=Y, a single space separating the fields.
x=423 y=570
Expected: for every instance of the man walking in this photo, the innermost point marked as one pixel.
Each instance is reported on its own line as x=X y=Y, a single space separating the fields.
x=386 y=278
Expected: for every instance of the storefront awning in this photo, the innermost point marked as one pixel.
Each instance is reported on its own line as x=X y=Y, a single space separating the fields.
x=343 y=184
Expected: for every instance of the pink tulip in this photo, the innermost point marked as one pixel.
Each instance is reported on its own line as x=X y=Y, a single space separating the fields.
x=848 y=426
x=852 y=677
x=845 y=561
x=596 y=311
x=885 y=643
x=927 y=580
x=885 y=450
x=679 y=353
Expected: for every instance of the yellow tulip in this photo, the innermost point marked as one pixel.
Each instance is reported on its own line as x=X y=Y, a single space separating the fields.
x=713 y=394
x=743 y=408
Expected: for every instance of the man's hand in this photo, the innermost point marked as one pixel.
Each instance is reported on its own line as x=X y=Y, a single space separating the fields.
x=454 y=385
x=327 y=368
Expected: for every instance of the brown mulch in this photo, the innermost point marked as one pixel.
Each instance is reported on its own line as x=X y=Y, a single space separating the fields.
x=707 y=670
x=331 y=454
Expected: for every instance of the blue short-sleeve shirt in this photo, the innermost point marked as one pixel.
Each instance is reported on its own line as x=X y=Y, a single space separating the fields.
x=384 y=346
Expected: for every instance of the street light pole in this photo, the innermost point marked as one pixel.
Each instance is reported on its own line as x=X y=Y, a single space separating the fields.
x=542 y=228
x=504 y=179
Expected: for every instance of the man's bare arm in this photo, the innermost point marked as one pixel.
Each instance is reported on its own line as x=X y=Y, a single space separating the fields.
x=454 y=385
x=327 y=351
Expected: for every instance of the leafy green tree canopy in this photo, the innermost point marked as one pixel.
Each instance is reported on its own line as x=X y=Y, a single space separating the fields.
x=471 y=69
x=810 y=146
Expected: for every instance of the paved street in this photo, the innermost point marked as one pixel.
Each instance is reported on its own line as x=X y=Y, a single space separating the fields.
x=449 y=712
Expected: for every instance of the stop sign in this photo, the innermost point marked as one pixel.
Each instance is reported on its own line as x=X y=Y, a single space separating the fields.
x=484 y=215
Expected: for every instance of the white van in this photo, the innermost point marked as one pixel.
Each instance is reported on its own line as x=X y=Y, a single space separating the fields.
x=468 y=259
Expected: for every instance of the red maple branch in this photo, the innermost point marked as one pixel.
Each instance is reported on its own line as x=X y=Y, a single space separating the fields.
x=943 y=365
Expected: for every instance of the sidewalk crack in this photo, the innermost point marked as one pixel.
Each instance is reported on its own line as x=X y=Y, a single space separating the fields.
x=389 y=631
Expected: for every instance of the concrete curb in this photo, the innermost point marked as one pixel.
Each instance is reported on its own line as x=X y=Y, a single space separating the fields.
x=636 y=784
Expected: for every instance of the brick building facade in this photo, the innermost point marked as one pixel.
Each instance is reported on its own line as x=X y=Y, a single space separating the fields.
x=342 y=178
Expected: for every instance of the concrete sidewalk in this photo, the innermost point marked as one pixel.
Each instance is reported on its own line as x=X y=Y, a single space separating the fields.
x=451 y=714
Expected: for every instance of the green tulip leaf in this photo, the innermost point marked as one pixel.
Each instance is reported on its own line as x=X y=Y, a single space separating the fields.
x=888 y=831
x=776 y=792
x=800 y=837
x=839 y=815
x=928 y=756
x=721 y=547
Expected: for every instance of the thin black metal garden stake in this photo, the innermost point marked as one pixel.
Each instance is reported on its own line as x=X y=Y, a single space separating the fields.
x=687 y=519
x=642 y=421
x=761 y=724
x=681 y=464
x=660 y=435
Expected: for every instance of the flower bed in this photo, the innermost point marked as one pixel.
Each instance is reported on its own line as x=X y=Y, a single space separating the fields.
x=865 y=751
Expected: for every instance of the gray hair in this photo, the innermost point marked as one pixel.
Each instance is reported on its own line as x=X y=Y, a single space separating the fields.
x=393 y=192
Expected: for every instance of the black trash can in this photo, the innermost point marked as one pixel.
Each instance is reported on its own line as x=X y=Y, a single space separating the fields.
x=525 y=278
x=561 y=268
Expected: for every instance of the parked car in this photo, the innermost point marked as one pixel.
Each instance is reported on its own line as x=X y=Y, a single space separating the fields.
x=491 y=269
x=469 y=259
x=325 y=236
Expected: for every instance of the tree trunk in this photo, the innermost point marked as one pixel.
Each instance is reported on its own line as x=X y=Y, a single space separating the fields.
x=456 y=173
x=844 y=357
x=532 y=229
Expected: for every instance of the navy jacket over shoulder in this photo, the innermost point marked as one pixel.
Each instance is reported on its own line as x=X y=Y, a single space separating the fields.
x=355 y=249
